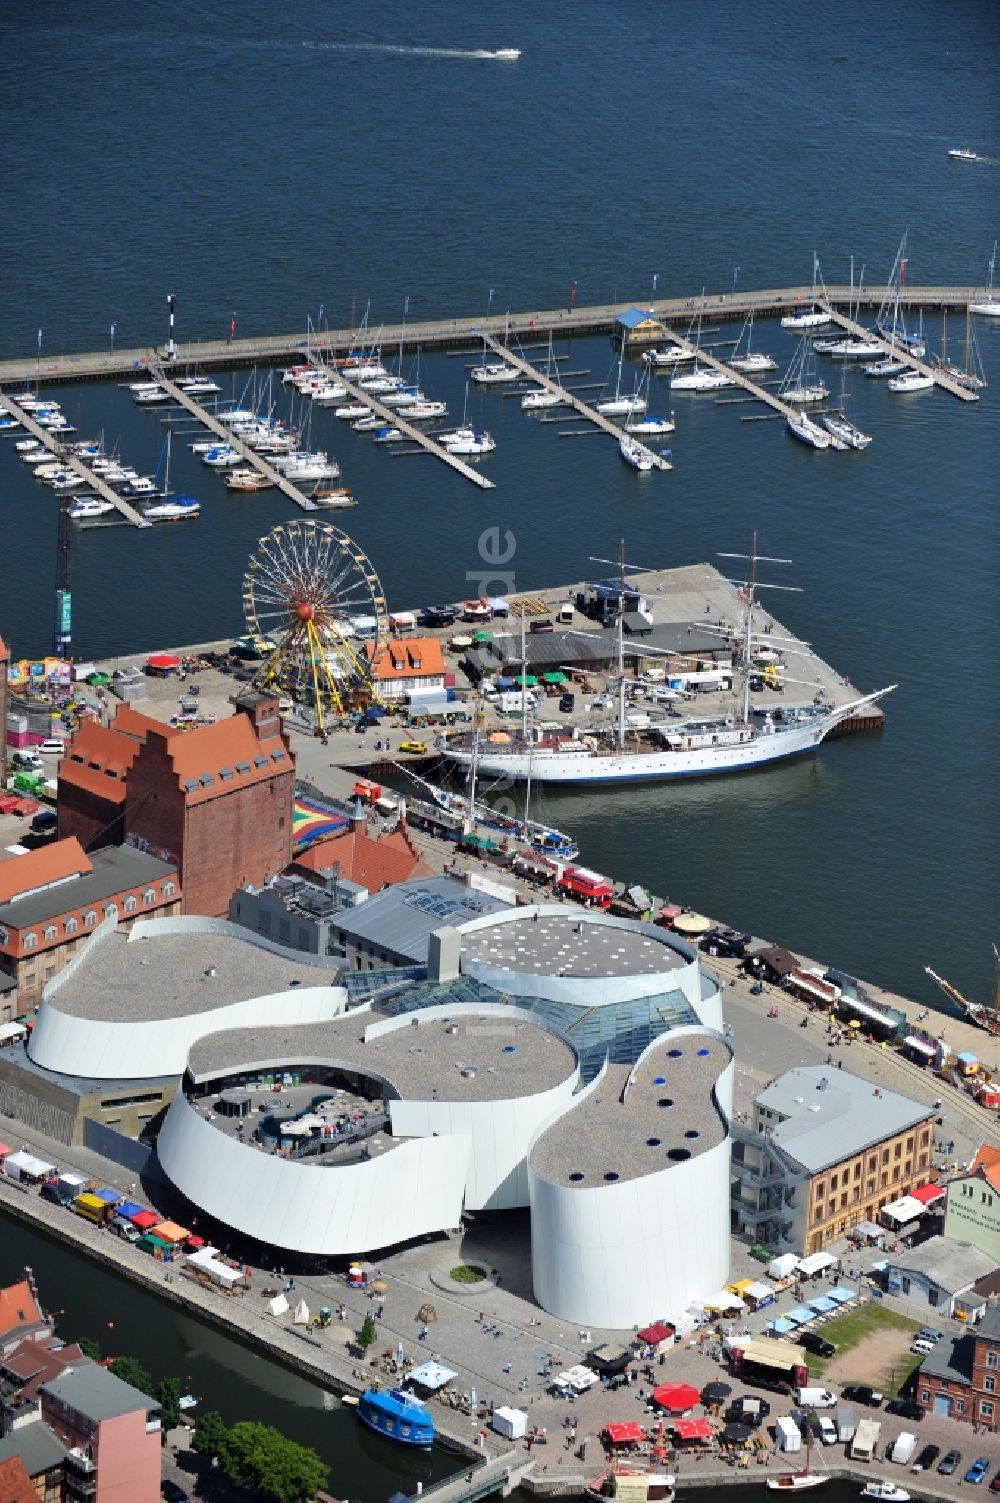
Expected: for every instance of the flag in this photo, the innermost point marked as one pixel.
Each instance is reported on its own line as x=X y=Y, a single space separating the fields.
x=902 y=271
x=406 y=305
x=232 y=326
x=113 y=326
x=39 y=339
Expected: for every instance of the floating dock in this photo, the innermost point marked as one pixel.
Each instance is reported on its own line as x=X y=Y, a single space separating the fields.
x=73 y=462
x=947 y=383
x=590 y=413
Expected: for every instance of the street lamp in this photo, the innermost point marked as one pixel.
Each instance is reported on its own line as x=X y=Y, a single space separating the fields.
x=736 y=274
x=171 y=351
x=112 y=339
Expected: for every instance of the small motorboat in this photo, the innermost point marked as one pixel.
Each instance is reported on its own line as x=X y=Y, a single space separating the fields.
x=887 y=367
x=246 y=480
x=85 y=507
x=468 y=441
x=960 y=154
x=351 y=411
x=532 y=401
x=506 y=54
x=753 y=361
x=796 y=1482
x=886 y=1490
x=370 y=424
x=650 y=424
x=389 y=436
x=676 y=355
x=397 y=1414
x=423 y=411
x=809 y=318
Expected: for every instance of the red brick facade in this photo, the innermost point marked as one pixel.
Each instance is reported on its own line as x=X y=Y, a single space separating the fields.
x=216 y=802
x=971 y=1391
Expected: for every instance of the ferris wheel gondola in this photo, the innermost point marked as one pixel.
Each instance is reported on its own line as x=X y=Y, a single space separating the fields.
x=314 y=594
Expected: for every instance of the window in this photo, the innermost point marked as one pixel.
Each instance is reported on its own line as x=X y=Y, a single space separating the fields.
x=906 y=1284
x=925 y=1396
x=989 y=1385
x=885 y=1155
x=897 y=1152
x=168 y=889
x=933 y=1296
x=110 y=910
x=149 y=896
x=986 y=1411
x=991 y=1359
x=72 y=925
x=89 y=919
x=51 y=932
x=843 y=1201
x=833 y=1182
x=857 y=1170
x=959 y=1406
x=30 y=940
x=909 y=1144
x=130 y=903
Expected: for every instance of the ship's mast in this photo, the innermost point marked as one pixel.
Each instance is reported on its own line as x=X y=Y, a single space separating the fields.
x=621 y=644
x=748 y=591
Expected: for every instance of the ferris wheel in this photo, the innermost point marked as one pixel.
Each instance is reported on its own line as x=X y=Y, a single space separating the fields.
x=313 y=602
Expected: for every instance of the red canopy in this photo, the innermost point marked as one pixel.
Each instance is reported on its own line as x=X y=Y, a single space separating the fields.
x=195 y=1242
x=654 y=1334
x=676 y=1397
x=163 y=660
x=622 y=1433
x=928 y=1194
x=693 y=1429
x=144 y=1220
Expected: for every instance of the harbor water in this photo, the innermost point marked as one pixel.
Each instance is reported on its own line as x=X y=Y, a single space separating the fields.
x=304 y=165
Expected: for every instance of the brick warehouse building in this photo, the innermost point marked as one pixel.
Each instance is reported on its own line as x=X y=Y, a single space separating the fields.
x=215 y=802
x=961 y=1377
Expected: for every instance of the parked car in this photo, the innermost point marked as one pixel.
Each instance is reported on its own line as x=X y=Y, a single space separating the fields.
x=418 y=748
x=926 y=1459
x=173 y=1492
x=827 y=1429
x=544 y=625
x=978 y=1469
x=949 y=1462
x=928 y=1333
x=862 y=1393
x=54 y=747
x=906 y=1407
x=567 y=703
x=44 y=821
x=924 y=1347
x=818 y=1345
x=995 y=1484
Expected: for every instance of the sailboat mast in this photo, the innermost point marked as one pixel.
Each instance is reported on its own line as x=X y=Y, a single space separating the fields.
x=621 y=644
x=748 y=629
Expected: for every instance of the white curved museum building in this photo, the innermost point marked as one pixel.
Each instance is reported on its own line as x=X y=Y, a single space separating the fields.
x=570 y=1062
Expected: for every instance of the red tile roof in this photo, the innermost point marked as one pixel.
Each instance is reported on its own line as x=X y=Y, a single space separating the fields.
x=98 y=760
x=19 y=1309
x=42 y=867
x=15 y=1484
x=415 y=657
x=371 y=863
x=987 y=1165
x=35 y=1362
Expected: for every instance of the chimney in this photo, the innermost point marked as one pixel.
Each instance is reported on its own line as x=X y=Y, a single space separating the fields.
x=359 y=816
x=443 y=952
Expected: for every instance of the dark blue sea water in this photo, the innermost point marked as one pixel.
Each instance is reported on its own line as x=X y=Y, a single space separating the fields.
x=307 y=161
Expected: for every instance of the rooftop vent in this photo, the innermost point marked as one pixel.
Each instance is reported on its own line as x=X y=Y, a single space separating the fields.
x=452 y=1028
x=824 y=1084
x=211 y=972
x=470 y=1072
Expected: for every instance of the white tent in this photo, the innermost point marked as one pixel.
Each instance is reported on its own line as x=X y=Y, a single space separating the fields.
x=575 y=1379
x=899 y=1212
x=300 y=1315
x=207 y=1259
x=12 y=1031
x=513 y=1423
x=24 y=1165
x=723 y=1301
x=781 y=1267
x=432 y=1375
x=815 y=1263
x=278 y=1305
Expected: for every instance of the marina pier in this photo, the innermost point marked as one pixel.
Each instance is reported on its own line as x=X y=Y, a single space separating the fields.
x=462 y=332
x=902 y=354
x=72 y=461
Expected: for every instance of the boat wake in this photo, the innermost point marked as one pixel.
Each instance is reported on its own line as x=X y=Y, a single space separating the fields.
x=402 y=51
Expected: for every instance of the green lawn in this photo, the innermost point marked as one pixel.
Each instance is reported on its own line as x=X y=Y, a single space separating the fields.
x=851 y=1328
x=468 y=1273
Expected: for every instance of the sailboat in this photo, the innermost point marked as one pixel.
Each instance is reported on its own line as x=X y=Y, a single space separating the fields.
x=980 y=1013
x=805 y=1478
x=635 y=454
x=647 y=424
x=751 y=360
x=542 y=396
x=990 y=308
x=171 y=507
x=705 y=746
x=800 y=385
x=621 y=403
x=493 y=372
x=811 y=316
x=972 y=375
x=839 y=426
x=703 y=377
x=894 y=331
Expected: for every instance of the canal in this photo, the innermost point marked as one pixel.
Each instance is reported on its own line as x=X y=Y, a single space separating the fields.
x=89 y=1300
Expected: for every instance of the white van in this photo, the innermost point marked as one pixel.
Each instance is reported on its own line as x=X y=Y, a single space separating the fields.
x=53 y=748
x=814 y=1398
x=904 y=1448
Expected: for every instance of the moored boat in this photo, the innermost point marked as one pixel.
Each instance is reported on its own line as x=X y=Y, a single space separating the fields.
x=886 y=367
x=173 y=509
x=807 y=432
x=911 y=381
x=84 y=508
x=398 y=1415
x=635 y=454
x=961 y=154
x=796 y=1482
x=888 y=1491
x=247 y=480
x=493 y=373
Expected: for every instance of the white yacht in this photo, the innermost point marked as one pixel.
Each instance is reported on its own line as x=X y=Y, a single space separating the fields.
x=468 y=441
x=960 y=154
x=650 y=425
x=379 y=385
x=327 y=393
x=839 y=426
x=84 y=507
x=404 y=396
x=425 y=410
x=370 y=424
x=172 y=509
x=493 y=373
x=810 y=318
x=677 y=354
x=66 y=480
x=807 y=432
x=506 y=54
x=635 y=454
x=389 y=436
x=852 y=349
x=534 y=401
x=198 y=386
x=886 y=367
x=911 y=381
x=352 y=410
x=222 y=457
x=147 y=395
x=703 y=378
x=752 y=362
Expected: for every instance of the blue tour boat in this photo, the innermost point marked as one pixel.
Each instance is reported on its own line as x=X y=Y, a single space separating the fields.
x=398 y=1415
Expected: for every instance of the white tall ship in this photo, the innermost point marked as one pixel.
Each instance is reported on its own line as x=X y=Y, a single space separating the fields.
x=705 y=746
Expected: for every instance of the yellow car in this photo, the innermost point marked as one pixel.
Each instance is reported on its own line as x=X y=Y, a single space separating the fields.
x=417 y=747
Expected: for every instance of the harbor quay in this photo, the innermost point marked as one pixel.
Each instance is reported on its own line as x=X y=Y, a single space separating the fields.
x=462 y=333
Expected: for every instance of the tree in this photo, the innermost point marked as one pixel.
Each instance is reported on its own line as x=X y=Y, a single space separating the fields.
x=260 y=1456
x=131 y=1371
x=209 y=1434
x=367 y=1334
x=90 y=1348
x=168 y=1393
